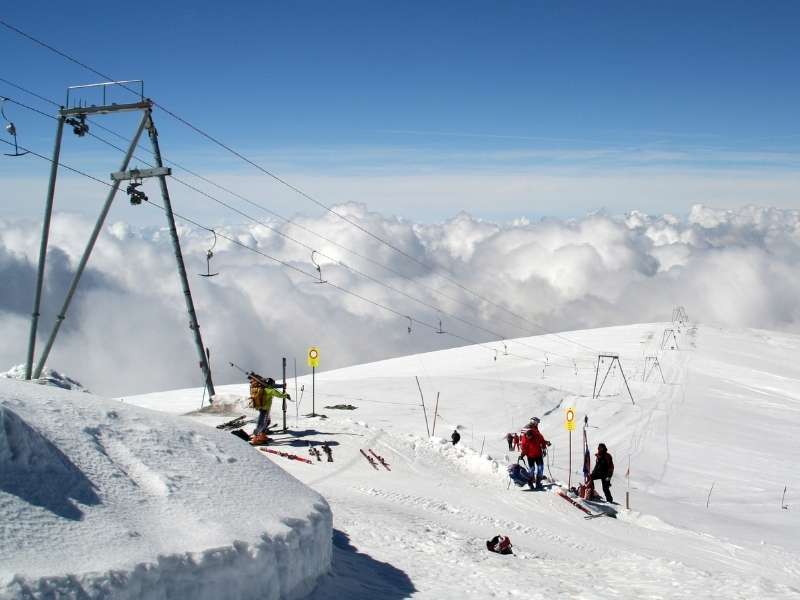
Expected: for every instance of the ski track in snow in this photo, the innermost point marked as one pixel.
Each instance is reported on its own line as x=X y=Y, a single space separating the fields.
x=419 y=530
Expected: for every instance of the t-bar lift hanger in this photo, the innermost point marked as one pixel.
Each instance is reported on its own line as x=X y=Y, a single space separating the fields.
x=209 y=256
x=11 y=129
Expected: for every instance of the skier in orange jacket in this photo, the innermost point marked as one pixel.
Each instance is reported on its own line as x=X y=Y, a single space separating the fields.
x=533 y=447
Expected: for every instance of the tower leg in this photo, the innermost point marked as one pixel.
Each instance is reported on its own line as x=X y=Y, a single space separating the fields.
x=88 y=251
x=187 y=294
x=48 y=211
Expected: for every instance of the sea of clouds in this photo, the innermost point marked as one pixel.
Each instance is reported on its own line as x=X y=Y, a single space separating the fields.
x=127 y=330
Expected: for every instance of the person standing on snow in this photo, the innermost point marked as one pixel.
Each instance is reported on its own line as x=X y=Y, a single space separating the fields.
x=603 y=470
x=262 y=391
x=510 y=441
x=515 y=442
x=455 y=437
x=533 y=447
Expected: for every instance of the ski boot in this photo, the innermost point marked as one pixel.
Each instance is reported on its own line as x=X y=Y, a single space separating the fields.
x=260 y=439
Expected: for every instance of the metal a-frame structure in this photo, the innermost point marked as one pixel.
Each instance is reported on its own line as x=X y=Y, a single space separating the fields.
x=669 y=334
x=651 y=363
x=614 y=359
x=679 y=316
x=76 y=117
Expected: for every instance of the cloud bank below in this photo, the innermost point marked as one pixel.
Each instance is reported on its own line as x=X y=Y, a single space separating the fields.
x=127 y=330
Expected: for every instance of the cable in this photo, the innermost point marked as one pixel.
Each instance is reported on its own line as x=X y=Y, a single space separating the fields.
x=294 y=188
x=284 y=263
x=337 y=261
x=290 y=238
x=50 y=160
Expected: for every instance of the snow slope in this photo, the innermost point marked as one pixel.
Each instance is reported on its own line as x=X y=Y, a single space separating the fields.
x=102 y=499
x=726 y=416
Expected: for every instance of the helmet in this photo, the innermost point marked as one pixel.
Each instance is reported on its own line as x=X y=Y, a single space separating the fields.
x=535 y=420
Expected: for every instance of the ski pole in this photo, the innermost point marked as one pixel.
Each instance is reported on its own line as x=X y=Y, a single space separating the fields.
x=235 y=366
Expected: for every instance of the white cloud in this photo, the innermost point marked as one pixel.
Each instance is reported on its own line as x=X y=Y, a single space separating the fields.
x=127 y=330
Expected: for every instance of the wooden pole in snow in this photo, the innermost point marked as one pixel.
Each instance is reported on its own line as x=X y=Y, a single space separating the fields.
x=424 y=412
x=435 y=412
x=628 y=491
x=569 y=475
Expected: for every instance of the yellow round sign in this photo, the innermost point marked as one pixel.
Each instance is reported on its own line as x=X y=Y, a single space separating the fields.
x=313 y=357
x=570 y=424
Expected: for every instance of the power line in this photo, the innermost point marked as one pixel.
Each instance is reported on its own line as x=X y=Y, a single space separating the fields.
x=294 y=188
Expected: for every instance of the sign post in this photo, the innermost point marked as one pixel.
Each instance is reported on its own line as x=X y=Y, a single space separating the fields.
x=570 y=425
x=284 y=391
x=313 y=362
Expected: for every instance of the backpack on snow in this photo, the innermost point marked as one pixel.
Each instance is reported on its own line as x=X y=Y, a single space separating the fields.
x=587 y=491
x=519 y=474
x=500 y=544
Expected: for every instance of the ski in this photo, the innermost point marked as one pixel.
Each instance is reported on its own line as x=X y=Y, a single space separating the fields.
x=576 y=504
x=380 y=459
x=240 y=433
x=285 y=454
x=602 y=508
x=233 y=423
x=370 y=459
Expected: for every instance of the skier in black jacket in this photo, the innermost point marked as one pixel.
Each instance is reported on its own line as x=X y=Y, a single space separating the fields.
x=603 y=470
x=455 y=437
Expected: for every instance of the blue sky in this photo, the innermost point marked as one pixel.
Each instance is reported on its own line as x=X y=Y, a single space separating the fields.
x=421 y=109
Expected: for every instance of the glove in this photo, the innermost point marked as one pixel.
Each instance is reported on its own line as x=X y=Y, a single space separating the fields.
x=288 y=396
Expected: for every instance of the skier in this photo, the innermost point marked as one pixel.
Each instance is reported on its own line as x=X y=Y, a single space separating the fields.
x=327 y=450
x=515 y=442
x=603 y=470
x=510 y=441
x=455 y=436
x=533 y=447
x=501 y=544
x=262 y=391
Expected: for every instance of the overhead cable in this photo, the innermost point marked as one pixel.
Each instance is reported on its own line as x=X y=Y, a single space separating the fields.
x=296 y=189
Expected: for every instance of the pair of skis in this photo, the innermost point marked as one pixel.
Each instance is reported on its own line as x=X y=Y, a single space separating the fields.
x=580 y=506
x=373 y=458
x=284 y=454
x=235 y=423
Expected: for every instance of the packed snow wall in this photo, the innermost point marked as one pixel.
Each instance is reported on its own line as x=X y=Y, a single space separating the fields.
x=102 y=499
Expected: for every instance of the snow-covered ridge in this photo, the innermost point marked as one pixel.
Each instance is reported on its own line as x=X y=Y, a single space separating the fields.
x=102 y=499
x=48 y=377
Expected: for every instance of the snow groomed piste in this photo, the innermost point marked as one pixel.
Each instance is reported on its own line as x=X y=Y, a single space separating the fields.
x=694 y=529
